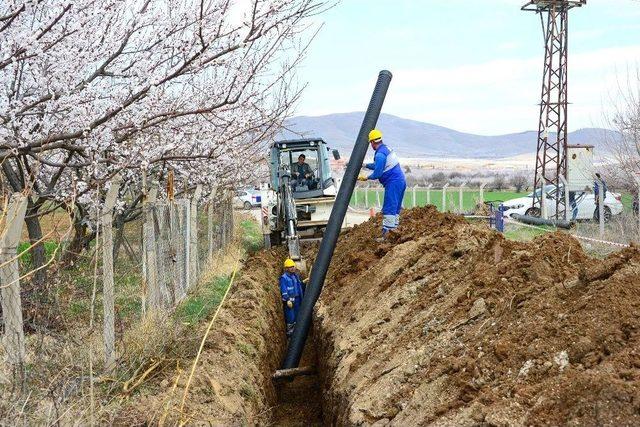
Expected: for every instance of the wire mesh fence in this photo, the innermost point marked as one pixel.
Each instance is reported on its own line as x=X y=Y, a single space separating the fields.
x=459 y=199
x=126 y=273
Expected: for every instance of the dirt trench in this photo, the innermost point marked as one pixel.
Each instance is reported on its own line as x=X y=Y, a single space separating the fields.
x=299 y=401
x=232 y=384
x=446 y=324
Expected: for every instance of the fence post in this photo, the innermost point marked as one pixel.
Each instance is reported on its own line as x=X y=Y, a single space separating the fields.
x=183 y=232
x=177 y=252
x=444 y=197
x=210 y=218
x=164 y=255
x=152 y=288
x=566 y=198
x=144 y=244
x=366 y=196
x=461 y=196
x=193 y=238
x=265 y=214
x=108 y=299
x=429 y=193
x=231 y=218
x=210 y=227
x=415 y=187
x=223 y=220
x=484 y=184
x=186 y=238
x=355 y=197
x=13 y=339
x=543 y=202
x=378 y=198
x=601 y=206
x=219 y=231
x=638 y=201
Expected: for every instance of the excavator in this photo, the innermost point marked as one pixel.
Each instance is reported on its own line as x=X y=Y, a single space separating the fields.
x=296 y=206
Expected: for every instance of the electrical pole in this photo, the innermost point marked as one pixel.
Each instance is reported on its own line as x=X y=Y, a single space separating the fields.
x=551 y=156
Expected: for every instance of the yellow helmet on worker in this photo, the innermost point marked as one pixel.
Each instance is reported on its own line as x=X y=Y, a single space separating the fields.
x=288 y=263
x=375 y=135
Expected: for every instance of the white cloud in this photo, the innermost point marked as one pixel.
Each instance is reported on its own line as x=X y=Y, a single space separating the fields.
x=498 y=96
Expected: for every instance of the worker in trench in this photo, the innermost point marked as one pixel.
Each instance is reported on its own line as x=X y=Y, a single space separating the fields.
x=292 y=290
x=386 y=168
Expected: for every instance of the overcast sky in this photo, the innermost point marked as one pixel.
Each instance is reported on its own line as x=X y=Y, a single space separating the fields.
x=472 y=65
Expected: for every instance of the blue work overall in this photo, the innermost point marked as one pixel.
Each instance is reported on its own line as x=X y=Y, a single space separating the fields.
x=291 y=289
x=386 y=168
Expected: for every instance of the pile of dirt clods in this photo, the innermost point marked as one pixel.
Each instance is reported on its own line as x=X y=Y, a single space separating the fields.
x=450 y=324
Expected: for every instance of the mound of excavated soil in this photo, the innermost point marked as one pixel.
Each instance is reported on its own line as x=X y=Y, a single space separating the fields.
x=450 y=324
x=232 y=383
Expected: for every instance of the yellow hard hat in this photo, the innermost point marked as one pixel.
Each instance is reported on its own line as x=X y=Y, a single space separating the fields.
x=289 y=263
x=375 y=134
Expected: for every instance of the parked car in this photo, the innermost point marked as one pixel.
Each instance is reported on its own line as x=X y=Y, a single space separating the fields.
x=247 y=199
x=585 y=203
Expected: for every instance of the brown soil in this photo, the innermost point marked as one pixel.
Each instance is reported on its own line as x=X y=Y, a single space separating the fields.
x=232 y=383
x=451 y=324
x=299 y=400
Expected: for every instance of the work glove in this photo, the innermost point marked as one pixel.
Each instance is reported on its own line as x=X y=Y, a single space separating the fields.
x=290 y=304
x=362 y=178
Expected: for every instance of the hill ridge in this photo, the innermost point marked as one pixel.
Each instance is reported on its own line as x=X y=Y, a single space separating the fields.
x=413 y=138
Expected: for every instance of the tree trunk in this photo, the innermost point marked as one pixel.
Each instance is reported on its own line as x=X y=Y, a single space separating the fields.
x=32 y=222
x=38 y=254
x=80 y=240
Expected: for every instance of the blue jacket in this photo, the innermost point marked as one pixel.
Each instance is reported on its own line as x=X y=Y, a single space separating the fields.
x=291 y=286
x=386 y=166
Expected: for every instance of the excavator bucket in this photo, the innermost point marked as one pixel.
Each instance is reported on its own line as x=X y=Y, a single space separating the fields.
x=301 y=265
x=294 y=247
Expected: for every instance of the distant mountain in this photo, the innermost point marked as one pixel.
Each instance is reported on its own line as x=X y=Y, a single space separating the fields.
x=410 y=138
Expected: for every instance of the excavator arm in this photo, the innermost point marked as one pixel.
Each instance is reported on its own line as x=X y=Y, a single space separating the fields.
x=290 y=217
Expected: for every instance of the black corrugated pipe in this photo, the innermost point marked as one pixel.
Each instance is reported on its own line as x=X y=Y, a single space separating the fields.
x=534 y=220
x=330 y=238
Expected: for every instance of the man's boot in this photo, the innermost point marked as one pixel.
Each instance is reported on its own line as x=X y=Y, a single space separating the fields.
x=382 y=238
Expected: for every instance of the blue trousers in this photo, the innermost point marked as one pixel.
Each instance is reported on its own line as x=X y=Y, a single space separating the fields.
x=393 y=195
x=291 y=314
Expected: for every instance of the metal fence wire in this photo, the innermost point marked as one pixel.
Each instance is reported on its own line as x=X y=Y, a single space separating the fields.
x=158 y=257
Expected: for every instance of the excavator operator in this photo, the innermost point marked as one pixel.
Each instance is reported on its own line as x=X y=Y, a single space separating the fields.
x=302 y=173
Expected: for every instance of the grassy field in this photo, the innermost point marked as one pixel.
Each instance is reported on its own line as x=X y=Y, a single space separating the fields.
x=469 y=198
x=627 y=202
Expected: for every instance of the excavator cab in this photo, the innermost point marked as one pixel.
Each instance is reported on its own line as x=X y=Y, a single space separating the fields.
x=286 y=158
x=302 y=191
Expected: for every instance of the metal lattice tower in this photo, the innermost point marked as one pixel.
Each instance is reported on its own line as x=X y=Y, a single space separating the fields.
x=551 y=160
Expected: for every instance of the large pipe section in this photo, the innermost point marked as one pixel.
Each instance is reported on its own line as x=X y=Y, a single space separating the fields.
x=534 y=220
x=328 y=244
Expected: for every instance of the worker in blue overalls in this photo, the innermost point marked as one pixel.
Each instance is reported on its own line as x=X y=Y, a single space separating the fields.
x=292 y=290
x=386 y=168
